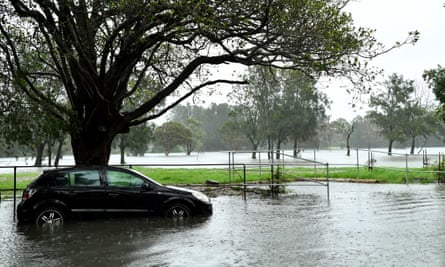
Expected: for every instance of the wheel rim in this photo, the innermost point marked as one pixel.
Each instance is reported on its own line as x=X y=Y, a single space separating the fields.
x=50 y=217
x=178 y=212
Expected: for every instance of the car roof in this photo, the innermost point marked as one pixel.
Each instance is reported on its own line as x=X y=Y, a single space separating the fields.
x=87 y=167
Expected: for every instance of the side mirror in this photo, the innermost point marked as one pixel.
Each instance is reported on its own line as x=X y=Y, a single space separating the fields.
x=146 y=187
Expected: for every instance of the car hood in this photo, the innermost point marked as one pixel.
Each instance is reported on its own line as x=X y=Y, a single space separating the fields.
x=175 y=188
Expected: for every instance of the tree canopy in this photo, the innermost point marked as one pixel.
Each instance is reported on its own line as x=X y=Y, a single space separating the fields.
x=392 y=109
x=172 y=134
x=436 y=81
x=107 y=53
x=278 y=106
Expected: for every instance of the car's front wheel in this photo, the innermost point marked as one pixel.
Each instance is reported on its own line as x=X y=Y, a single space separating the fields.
x=49 y=216
x=177 y=210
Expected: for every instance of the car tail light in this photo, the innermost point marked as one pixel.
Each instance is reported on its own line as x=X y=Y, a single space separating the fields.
x=28 y=193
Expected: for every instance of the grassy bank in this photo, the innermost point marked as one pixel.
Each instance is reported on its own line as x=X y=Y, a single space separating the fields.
x=201 y=175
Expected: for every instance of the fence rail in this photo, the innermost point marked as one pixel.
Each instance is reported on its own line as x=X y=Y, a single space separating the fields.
x=275 y=170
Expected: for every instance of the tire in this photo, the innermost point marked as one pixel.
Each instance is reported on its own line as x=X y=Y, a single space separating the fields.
x=177 y=210
x=50 y=217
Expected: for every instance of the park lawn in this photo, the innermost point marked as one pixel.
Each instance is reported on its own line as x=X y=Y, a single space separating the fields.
x=23 y=179
x=380 y=175
x=184 y=176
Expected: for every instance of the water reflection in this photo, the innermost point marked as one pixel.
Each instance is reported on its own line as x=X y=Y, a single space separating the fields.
x=362 y=225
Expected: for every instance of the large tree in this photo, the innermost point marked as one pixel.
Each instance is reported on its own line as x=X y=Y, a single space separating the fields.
x=106 y=53
x=392 y=108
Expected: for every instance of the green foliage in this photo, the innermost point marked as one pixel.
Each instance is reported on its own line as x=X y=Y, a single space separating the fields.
x=278 y=106
x=206 y=123
x=390 y=108
x=232 y=135
x=171 y=134
x=104 y=54
x=436 y=81
x=365 y=135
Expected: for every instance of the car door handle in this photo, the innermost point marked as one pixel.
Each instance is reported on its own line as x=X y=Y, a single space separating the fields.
x=113 y=194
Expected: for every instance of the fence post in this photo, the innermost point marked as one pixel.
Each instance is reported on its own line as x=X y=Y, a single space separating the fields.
x=15 y=191
x=406 y=169
x=245 y=181
x=315 y=164
x=230 y=167
x=327 y=180
x=358 y=163
x=271 y=174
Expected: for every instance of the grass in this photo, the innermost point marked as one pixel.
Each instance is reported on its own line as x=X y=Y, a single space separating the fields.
x=201 y=175
x=380 y=175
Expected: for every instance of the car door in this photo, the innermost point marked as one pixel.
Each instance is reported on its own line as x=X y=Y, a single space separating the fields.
x=86 y=193
x=129 y=193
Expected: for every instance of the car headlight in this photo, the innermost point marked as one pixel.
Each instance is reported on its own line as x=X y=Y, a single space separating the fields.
x=202 y=197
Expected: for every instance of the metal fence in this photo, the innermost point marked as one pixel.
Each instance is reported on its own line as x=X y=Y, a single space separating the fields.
x=268 y=176
x=274 y=172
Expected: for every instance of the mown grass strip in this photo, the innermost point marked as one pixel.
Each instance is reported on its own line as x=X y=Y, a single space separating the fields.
x=183 y=176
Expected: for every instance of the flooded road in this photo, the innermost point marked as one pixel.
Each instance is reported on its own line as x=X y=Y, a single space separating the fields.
x=361 y=225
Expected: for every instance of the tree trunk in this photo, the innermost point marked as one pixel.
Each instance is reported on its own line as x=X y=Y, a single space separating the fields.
x=255 y=148
x=39 y=155
x=92 y=147
x=59 y=152
x=122 y=149
x=413 y=144
x=278 y=151
x=296 y=149
x=269 y=148
x=50 y=150
x=390 y=147
x=348 y=141
x=91 y=140
x=189 y=148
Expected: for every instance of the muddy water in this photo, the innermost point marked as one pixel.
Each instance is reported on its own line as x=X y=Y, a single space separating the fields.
x=361 y=225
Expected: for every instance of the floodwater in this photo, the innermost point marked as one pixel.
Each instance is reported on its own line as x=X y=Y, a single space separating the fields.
x=379 y=157
x=361 y=225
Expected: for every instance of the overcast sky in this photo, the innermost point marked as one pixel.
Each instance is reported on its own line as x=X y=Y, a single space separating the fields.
x=392 y=20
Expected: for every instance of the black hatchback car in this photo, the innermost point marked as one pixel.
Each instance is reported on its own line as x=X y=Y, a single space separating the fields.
x=59 y=194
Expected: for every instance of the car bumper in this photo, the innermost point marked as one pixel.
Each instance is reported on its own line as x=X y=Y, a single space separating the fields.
x=204 y=210
x=23 y=214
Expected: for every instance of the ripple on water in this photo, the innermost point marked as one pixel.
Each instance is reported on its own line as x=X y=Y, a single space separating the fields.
x=361 y=225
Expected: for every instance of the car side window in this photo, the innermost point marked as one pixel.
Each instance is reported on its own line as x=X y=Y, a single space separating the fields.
x=85 y=178
x=61 y=179
x=124 y=179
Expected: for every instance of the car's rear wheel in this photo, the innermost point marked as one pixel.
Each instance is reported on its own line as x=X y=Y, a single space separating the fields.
x=49 y=216
x=177 y=210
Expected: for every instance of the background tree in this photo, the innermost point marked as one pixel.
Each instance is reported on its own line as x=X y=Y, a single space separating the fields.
x=204 y=122
x=232 y=135
x=366 y=133
x=171 y=134
x=435 y=79
x=244 y=123
x=97 y=48
x=255 y=107
x=23 y=122
x=391 y=109
x=420 y=122
x=304 y=107
x=278 y=106
x=345 y=130
x=136 y=141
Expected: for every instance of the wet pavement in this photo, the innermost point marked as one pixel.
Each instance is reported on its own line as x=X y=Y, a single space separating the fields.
x=361 y=225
